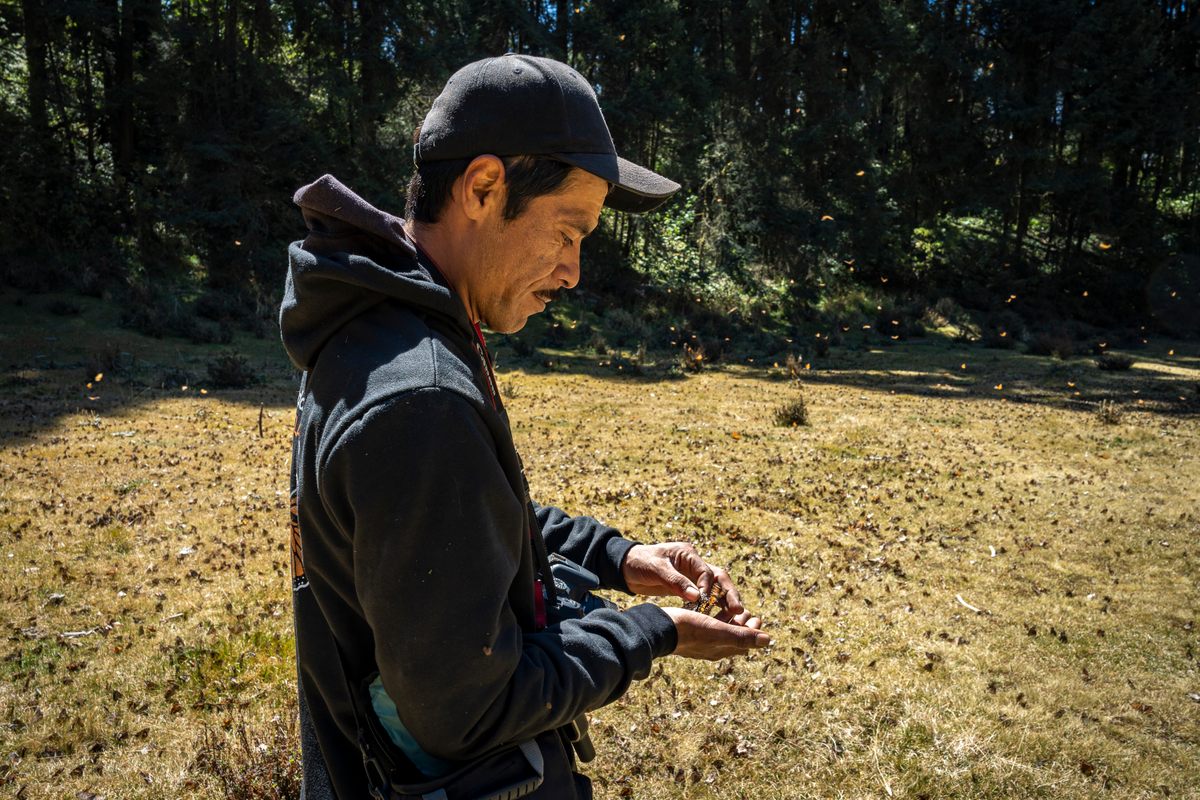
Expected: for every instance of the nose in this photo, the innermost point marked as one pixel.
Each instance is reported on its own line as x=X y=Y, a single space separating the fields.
x=568 y=268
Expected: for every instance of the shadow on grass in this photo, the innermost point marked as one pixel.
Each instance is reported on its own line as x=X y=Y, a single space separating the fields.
x=49 y=367
x=1157 y=383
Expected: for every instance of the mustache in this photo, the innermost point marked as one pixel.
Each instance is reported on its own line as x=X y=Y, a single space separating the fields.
x=550 y=295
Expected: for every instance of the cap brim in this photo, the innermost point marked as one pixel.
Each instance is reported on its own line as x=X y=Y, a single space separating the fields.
x=635 y=189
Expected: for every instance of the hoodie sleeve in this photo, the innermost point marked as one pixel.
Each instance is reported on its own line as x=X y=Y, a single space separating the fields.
x=438 y=542
x=586 y=541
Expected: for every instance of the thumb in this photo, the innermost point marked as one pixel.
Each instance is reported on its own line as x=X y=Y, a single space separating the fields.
x=683 y=586
x=698 y=574
x=752 y=638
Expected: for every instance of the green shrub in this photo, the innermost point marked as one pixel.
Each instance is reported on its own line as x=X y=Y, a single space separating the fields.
x=1003 y=329
x=555 y=335
x=1115 y=362
x=174 y=377
x=597 y=344
x=63 y=308
x=231 y=371
x=946 y=311
x=795 y=366
x=521 y=346
x=1058 y=345
x=102 y=360
x=624 y=328
x=224 y=306
x=851 y=307
x=896 y=322
x=691 y=358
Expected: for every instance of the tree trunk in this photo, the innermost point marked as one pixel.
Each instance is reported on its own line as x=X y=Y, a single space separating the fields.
x=372 y=70
x=89 y=102
x=37 y=36
x=562 y=28
x=121 y=102
x=229 y=45
x=263 y=30
x=1023 y=209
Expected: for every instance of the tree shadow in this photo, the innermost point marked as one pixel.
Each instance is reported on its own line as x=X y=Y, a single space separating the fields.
x=84 y=365
x=1156 y=383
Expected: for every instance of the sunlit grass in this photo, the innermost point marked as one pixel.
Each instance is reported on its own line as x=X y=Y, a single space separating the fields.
x=144 y=583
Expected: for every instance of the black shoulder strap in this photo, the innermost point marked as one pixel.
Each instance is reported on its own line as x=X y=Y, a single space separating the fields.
x=382 y=761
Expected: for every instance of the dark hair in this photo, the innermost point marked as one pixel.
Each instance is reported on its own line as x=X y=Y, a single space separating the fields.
x=526 y=177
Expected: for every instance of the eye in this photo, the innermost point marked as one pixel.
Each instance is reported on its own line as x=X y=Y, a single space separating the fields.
x=567 y=241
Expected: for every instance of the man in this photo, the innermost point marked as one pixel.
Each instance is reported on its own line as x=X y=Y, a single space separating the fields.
x=419 y=562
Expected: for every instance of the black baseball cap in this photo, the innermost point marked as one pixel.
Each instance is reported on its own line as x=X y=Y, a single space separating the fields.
x=516 y=105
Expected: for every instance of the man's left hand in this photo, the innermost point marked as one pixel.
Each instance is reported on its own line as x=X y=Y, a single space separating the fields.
x=675 y=568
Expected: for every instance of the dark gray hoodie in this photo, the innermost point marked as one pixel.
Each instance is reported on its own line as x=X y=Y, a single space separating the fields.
x=410 y=536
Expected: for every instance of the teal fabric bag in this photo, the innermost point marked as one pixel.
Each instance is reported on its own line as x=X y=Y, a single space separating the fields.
x=385 y=709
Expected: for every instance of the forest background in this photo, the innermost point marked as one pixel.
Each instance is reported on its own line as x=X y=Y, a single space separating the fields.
x=976 y=551
x=1033 y=166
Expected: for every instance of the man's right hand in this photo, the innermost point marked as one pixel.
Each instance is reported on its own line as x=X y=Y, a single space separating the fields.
x=702 y=636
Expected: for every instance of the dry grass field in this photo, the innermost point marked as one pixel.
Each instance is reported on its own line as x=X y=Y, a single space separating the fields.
x=978 y=586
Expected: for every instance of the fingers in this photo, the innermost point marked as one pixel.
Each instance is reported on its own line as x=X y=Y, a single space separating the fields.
x=684 y=587
x=737 y=642
x=689 y=562
x=733 y=600
x=654 y=570
x=742 y=619
x=705 y=637
x=677 y=568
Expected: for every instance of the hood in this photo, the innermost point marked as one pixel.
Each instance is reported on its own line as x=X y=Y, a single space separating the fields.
x=354 y=257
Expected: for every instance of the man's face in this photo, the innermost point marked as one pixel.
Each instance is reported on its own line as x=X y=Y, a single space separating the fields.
x=528 y=259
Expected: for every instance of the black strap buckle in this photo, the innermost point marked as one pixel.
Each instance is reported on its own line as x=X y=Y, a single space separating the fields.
x=378 y=783
x=580 y=739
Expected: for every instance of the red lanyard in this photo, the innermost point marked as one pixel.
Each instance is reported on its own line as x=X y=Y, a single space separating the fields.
x=489 y=368
x=484 y=355
x=539 y=597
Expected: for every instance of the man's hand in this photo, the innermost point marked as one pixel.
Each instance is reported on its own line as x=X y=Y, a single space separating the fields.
x=675 y=568
x=702 y=636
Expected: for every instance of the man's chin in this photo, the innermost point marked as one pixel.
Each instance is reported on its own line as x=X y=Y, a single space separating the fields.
x=509 y=325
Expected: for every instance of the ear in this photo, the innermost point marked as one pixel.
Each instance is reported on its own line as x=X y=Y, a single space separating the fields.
x=481 y=189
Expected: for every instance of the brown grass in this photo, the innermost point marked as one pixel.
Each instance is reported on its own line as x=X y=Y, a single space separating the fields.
x=143 y=577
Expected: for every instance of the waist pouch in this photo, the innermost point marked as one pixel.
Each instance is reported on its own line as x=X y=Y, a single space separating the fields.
x=507 y=774
x=538 y=768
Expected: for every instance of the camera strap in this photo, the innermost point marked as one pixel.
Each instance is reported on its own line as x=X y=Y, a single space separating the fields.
x=544 y=591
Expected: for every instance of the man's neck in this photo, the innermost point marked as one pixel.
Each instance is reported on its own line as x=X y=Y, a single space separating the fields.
x=444 y=249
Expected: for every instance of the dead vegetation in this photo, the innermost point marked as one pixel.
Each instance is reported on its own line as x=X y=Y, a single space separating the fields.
x=971 y=597
x=792 y=413
x=250 y=762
